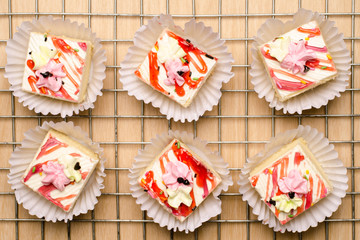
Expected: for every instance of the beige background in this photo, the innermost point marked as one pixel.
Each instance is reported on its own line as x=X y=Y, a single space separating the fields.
x=238 y=127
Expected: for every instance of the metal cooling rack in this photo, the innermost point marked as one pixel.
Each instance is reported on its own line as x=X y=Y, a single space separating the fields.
x=246 y=91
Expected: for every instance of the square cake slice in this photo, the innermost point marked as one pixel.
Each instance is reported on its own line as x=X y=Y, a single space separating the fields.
x=176 y=68
x=60 y=169
x=179 y=179
x=297 y=61
x=290 y=181
x=57 y=67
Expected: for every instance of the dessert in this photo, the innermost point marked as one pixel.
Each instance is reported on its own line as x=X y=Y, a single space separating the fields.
x=179 y=179
x=60 y=169
x=176 y=68
x=57 y=67
x=290 y=181
x=297 y=61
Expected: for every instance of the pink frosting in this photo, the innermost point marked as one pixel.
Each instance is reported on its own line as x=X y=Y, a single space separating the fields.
x=173 y=67
x=55 y=175
x=297 y=57
x=175 y=170
x=50 y=76
x=294 y=182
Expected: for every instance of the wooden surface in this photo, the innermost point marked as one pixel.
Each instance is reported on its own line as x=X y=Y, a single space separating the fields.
x=255 y=123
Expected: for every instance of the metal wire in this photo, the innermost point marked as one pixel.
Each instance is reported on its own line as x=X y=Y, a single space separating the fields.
x=220 y=142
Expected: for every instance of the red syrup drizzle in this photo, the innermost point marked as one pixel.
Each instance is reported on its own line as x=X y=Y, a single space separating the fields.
x=154 y=72
x=288 y=85
x=150 y=185
x=202 y=173
x=66 y=49
x=38 y=169
x=267 y=53
x=68 y=75
x=298 y=158
x=323 y=191
x=47 y=189
x=254 y=180
x=281 y=83
x=308 y=196
x=316 y=49
x=84 y=175
x=315 y=63
x=52 y=143
x=313 y=31
x=187 y=47
x=274 y=180
x=61 y=45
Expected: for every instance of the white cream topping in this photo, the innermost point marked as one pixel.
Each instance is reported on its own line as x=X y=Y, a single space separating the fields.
x=198 y=191
x=175 y=51
x=169 y=49
x=305 y=167
x=280 y=48
x=70 y=62
x=316 y=75
x=87 y=164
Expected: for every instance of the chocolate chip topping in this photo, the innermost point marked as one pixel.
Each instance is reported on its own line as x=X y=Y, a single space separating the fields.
x=46 y=74
x=272 y=202
x=306 y=68
x=77 y=166
x=180 y=180
x=291 y=195
x=209 y=56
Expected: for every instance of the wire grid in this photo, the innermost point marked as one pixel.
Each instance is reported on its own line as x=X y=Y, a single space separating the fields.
x=219 y=116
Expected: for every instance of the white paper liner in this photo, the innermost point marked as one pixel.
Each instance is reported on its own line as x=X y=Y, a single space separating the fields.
x=328 y=159
x=16 y=51
x=209 y=208
x=202 y=37
x=32 y=201
x=318 y=96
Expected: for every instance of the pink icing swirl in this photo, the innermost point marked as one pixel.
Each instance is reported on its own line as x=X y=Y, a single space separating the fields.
x=50 y=76
x=176 y=171
x=55 y=175
x=297 y=57
x=294 y=182
x=173 y=68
